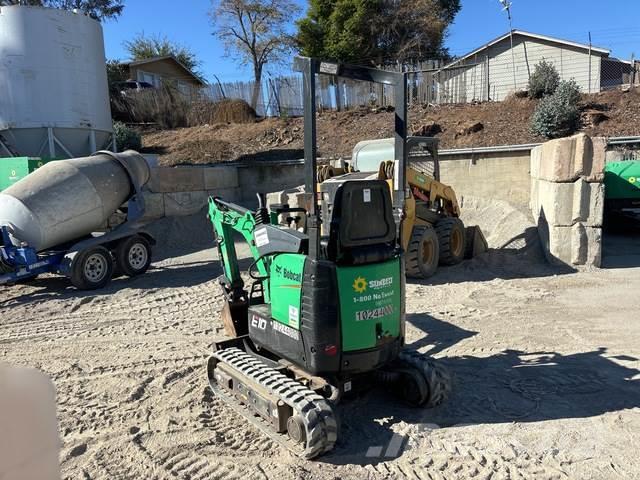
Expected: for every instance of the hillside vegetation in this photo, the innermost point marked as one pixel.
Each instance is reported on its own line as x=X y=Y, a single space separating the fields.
x=613 y=113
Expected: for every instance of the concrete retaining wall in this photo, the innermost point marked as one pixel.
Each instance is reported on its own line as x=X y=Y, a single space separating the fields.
x=178 y=191
x=500 y=175
x=184 y=190
x=559 y=181
x=567 y=198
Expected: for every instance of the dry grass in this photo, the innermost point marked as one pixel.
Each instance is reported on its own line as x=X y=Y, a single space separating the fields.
x=167 y=108
x=503 y=123
x=225 y=111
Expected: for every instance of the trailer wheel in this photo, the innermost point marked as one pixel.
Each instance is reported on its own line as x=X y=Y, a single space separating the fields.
x=422 y=255
x=92 y=268
x=133 y=256
x=451 y=236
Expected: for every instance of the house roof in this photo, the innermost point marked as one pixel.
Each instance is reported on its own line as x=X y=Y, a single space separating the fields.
x=144 y=61
x=535 y=36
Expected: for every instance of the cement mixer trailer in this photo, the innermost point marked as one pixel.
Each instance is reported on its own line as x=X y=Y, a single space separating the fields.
x=82 y=218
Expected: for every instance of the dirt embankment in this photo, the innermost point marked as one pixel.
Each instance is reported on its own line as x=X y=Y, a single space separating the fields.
x=613 y=113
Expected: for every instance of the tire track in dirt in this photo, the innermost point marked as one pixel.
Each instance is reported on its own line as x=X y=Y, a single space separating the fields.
x=439 y=457
x=129 y=369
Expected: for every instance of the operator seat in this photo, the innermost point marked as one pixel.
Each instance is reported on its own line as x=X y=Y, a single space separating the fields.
x=362 y=228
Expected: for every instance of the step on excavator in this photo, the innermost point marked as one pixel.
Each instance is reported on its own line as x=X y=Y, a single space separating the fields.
x=324 y=314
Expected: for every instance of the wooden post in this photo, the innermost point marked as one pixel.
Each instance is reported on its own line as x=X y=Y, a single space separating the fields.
x=220 y=85
x=275 y=95
x=633 y=71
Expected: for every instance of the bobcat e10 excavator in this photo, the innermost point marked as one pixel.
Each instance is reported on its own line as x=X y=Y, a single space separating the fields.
x=324 y=315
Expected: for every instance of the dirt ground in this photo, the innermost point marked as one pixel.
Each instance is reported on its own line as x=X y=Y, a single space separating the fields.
x=545 y=362
x=616 y=113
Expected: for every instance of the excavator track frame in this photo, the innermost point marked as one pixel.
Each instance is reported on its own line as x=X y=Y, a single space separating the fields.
x=257 y=391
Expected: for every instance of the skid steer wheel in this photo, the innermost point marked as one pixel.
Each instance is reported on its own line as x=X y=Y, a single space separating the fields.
x=92 y=268
x=451 y=237
x=133 y=256
x=423 y=252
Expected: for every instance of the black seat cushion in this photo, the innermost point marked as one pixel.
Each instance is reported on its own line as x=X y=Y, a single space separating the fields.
x=362 y=219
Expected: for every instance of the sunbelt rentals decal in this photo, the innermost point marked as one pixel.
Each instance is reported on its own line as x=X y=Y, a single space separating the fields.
x=360 y=284
x=379 y=291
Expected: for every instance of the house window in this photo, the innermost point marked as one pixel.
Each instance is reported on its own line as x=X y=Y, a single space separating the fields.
x=152 y=78
x=183 y=88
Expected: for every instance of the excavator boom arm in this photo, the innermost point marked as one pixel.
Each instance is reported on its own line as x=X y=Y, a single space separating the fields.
x=226 y=218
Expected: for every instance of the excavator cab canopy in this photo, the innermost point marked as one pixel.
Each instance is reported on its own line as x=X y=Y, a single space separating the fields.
x=310 y=68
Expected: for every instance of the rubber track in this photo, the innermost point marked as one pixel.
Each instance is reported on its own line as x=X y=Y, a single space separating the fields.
x=320 y=422
x=436 y=375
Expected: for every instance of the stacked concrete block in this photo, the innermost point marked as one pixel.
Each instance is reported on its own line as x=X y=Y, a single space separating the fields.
x=172 y=180
x=294 y=197
x=184 y=203
x=153 y=205
x=264 y=177
x=222 y=182
x=567 y=198
x=185 y=190
x=565 y=204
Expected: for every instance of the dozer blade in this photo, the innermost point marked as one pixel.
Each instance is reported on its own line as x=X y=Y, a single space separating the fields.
x=285 y=410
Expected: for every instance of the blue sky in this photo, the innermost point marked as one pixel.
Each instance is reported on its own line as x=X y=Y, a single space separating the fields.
x=613 y=24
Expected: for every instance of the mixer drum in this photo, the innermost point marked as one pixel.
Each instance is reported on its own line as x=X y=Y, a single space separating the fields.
x=68 y=199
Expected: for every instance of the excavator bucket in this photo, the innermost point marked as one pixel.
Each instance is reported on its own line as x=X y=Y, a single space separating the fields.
x=234 y=318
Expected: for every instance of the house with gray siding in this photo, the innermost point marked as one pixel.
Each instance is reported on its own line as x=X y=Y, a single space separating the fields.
x=503 y=66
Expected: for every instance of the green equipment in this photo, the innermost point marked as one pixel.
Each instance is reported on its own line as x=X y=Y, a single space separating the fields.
x=13 y=169
x=622 y=191
x=622 y=180
x=324 y=315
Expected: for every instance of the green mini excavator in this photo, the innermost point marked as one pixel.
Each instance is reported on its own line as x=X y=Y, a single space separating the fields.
x=323 y=316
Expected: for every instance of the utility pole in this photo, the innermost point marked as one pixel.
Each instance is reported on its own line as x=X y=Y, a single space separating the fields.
x=506 y=5
x=590 y=62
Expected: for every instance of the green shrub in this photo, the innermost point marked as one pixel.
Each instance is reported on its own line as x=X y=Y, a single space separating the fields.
x=126 y=138
x=568 y=92
x=544 y=80
x=558 y=115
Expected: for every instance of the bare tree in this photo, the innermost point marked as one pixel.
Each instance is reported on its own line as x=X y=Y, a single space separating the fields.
x=258 y=30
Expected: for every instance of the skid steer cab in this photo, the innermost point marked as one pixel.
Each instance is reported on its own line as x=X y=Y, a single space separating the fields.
x=320 y=311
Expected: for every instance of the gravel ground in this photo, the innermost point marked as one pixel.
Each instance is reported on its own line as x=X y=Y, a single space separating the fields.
x=545 y=363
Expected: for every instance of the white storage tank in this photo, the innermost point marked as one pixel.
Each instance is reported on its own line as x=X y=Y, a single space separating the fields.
x=54 y=97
